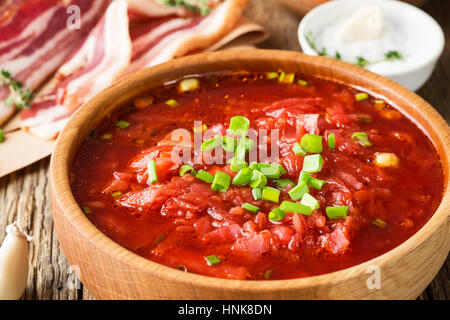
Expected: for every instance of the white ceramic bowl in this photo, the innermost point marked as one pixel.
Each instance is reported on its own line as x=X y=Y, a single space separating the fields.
x=419 y=27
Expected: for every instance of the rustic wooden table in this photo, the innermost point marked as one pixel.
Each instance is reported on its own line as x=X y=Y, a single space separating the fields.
x=24 y=195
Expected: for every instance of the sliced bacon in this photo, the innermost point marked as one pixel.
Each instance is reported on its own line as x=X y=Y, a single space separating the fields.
x=153 y=8
x=163 y=39
x=104 y=54
x=35 y=40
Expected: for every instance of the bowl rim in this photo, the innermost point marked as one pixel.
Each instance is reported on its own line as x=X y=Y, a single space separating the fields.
x=61 y=190
x=329 y=6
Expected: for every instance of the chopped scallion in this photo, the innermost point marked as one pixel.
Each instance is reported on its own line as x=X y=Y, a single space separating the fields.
x=283 y=183
x=298 y=150
x=271 y=194
x=362 y=139
x=204 y=176
x=272 y=171
x=189 y=84
x=331 y=141
x=277 y=214
x=151 y=170
x=116 y=194
x=337 y=212
x=304 y=176
x=172 y=103
x=379 y=223
x=298 y=191
x=258 y=180
x=243 y=177
x=312 y=163
x=311 y=143
x=211 y=144
x=286 y=77
x=316 y=183
x=361 y=96
x=271 y=75
x=212 y=260
x=302 y=82
x=229 y=144
x=239 y=126
x=106 y=136
x=237 y=164
x=122 y=124
x=187 y=168
x=221 y=181
x=310 y=201
x=288 y=206
x=250 y=207
x=257 y=193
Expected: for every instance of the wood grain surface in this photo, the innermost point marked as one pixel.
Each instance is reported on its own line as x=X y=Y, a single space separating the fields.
x=24 y=195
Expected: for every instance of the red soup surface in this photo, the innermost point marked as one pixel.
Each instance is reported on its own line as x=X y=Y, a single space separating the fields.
x=351 y=179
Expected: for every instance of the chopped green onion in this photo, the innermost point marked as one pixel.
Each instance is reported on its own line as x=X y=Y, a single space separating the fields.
x=302 y=82
x=379 y=101
x=316 y=183
x=362 y=139
x=212 y=143
x=151 y=169
x=122 y=124
x=239 y=126
x=276 y=214
x=268 y=274
x=212 y=260
x=160 y=239
x=298 y=150
x=311 y=143
x=379 y=223
x=221 y=181
x=106 y=136
x=286 y=77
x=187 y=168
x=283 y=183
x=2 y=136
x=116 y=194
x=254 y=165
x=272 y=171
x=288 y=206
x=237 y=164
x=86 y=210
x=229 y=144
x=172 y=103
x=361 y=96
x=310 y=201
x=244 y=146
x=337 y=212
x=189 y=84
x=304 y=176
x=257 y=193
x=243 y=177
x=331 y=141
x=271 y=75
x=204 y=176
x=258 y=180
x=312 y=163
x=298 y=191
x=250 y=207
x=271 y=194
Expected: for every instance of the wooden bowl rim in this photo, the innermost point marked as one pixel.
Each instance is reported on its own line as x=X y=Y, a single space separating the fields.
x=61 y=190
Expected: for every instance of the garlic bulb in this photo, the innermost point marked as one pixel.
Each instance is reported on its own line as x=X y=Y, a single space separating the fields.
x=13 y=263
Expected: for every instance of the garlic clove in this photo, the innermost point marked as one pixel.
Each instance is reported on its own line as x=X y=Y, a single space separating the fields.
x=13 y=263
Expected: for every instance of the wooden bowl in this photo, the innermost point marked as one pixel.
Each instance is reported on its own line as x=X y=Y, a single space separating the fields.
x=301 y=7
x=112 y=272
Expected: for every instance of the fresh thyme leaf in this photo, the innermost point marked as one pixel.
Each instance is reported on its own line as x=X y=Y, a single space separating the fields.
x=18 y=97
x=362 y=62
x=392 y=55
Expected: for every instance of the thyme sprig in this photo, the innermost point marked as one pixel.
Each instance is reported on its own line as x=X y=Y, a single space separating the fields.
x=360 y=61
x=197 y=6
x=18 y=96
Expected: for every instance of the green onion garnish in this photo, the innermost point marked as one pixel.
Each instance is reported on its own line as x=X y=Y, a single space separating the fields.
x=116 y=194
x=268 y=274
x=298 y=150
x=237 y=164
x=254 y=165
x=221 y=181
x=185 y=168
x=304 y=176
x=86 y=210
x=257 y=193
x=312 y=163
x=2 y=136
x=212 y=143
x=276 y=214
x=272 y=171
x=331 y=141
x=361 y=96
x=243 y=177
x=302 y=82
x=379 y=223
x=283 y=183
x=288 y=206
x=379 y=101
x=172 y=103
x=204 y=176
x=362 y=139
x=316 y=183
x=271 y=75
x=298 y=191
x=189 y=84
x=337 y=212
x=311 y=143
x=106 y=136
x=310 y=201
x=212 y=260
x=271 y=194
x=122 y=124
x=151 y=169
x=258 y=180
x=239 y=126
x=250 y=207
x=229 y=144
x=286 y=77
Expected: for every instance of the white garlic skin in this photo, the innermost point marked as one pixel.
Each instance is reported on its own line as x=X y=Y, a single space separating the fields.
x=13 y=263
